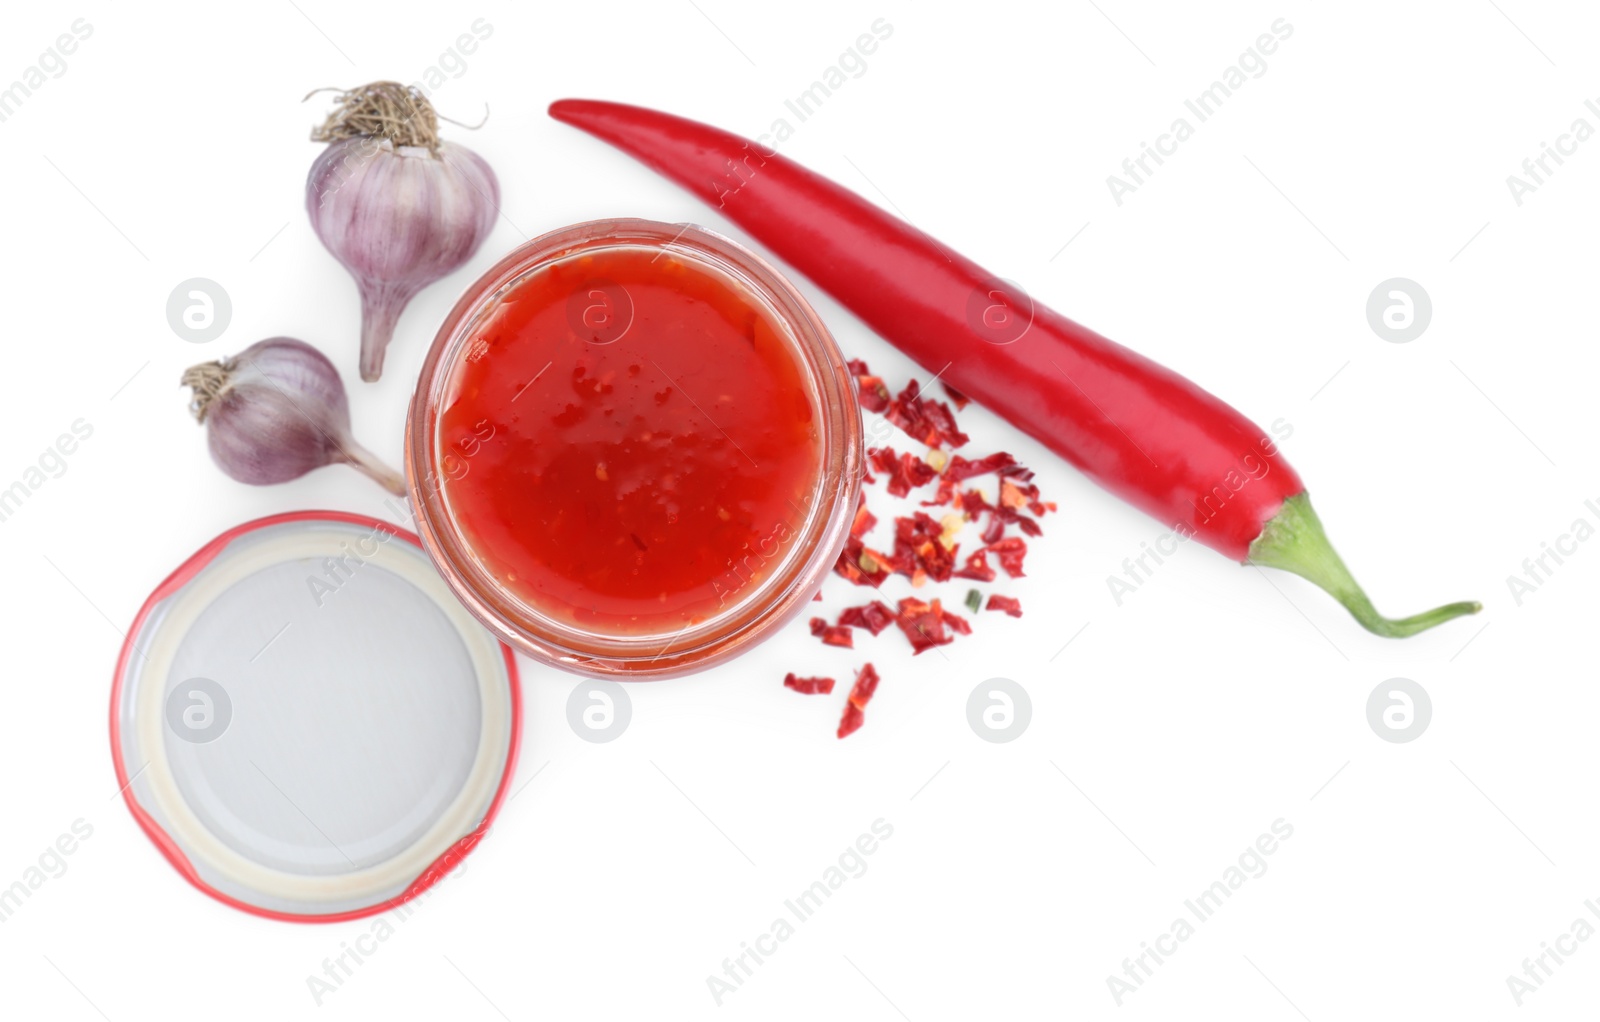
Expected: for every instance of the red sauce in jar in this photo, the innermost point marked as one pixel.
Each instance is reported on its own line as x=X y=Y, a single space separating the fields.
x=629 y=440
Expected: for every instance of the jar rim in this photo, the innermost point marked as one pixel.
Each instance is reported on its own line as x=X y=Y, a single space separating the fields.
x=773 y=600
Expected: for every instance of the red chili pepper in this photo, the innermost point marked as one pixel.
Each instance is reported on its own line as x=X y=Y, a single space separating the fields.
x=1138 y=429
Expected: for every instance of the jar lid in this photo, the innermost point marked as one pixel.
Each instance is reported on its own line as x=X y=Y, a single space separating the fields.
x=307 y=723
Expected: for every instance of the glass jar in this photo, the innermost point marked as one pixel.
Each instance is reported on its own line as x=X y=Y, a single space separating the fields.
x=762 y=585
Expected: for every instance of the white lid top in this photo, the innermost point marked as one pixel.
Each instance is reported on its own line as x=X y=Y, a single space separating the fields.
x=310 y=719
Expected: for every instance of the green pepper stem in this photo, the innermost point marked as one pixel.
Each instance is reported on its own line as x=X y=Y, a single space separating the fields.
x=1293 y=540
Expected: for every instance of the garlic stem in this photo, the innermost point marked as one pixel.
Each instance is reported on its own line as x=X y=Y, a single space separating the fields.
x=380 y=311
x=370 y=465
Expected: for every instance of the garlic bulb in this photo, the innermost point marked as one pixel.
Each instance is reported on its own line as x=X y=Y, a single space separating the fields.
x=277 y=410
x=398 y=207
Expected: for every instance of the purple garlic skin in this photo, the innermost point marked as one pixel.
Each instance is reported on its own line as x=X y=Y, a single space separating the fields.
x=273 y=422
x=398 y=220
x=277 y=410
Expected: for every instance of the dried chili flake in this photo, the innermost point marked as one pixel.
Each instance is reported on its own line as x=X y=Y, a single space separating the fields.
x=995 y=531
x=925 y=547
x=961 y=469
x=916 y=473
x=860 y=565
x=864 y=521
x=1029 y=493
x=1010 y=604
x=866 y=684
x=875 y=564
x=832 y=635
x=946 y=494
x=974 y=505
x=852 y=720
x=923 y=624
x=957 y=398
x=1011 y=495
x=956 y=622
x=905 y=472
x=849 y=564
x=919 y=548
x=1016 y=493
x=976 y=568
x=1002 y=517
x=932 y=422
x=874 y=616
x=860 y=694
x=809 y=686
x=1010 y=551
x=874 y=395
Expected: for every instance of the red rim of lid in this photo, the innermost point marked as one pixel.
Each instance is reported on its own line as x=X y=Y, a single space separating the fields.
x=186 y=571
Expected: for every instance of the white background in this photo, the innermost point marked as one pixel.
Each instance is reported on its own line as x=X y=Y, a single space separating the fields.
x=1172 y=731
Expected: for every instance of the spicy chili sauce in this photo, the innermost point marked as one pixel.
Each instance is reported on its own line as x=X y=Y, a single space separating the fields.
x=629 y=440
